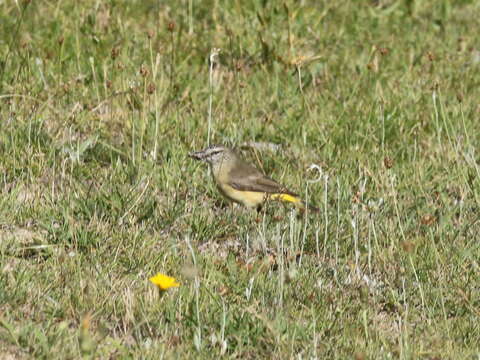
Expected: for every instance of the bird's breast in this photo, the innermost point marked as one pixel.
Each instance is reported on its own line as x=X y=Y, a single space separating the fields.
x=246 y=198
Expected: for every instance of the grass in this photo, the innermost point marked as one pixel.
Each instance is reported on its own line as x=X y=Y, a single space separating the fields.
x=102 y=101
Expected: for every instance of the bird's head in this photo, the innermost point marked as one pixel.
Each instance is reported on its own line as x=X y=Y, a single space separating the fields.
x=213 y=154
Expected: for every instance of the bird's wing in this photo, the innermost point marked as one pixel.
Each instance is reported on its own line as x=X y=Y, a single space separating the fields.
x=245 y=177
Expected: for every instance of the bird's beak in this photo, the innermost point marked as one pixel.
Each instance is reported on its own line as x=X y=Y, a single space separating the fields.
x=197 y=155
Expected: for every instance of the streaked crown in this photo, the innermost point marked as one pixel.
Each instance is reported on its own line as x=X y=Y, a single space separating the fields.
x=212 y=154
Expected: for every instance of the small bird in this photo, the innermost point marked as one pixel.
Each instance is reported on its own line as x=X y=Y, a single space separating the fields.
x=241 y=182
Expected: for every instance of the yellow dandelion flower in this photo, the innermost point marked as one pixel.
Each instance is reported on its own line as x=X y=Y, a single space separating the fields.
x=164 y=282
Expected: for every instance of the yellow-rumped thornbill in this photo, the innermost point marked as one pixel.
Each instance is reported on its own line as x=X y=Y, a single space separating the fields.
x=243 y=183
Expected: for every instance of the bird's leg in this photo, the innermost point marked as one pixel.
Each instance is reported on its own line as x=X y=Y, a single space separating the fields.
x=259 y=210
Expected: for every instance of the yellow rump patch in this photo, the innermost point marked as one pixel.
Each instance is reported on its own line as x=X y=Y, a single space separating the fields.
x=285 y=197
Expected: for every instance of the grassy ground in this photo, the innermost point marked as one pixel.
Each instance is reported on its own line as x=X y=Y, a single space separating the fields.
x=100 y=103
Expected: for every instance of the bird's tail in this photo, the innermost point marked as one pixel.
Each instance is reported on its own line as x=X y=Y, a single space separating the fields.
x=294 y=200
